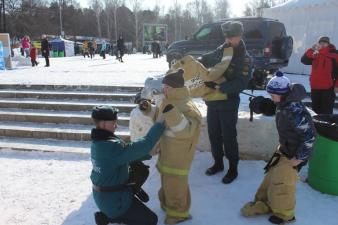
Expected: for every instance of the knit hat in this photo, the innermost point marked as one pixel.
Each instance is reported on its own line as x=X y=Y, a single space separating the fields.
x=174 y=79
x=232 y=29
x=279 y=84
x=106 y=113
x=324 y=39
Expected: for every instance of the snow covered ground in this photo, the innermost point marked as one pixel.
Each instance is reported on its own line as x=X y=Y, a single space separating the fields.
x=96 y=71
x=84 y=71
x=54 y=189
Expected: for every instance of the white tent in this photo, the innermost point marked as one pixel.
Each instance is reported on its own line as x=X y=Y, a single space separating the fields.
x=306 y=21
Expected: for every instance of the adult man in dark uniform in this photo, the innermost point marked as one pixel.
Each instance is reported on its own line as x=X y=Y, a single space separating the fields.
x=117 y=173
x=222 y=114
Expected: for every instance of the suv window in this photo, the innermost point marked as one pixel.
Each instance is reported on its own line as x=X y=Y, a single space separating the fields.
x=252 y=30
x=209 y=33
x=276 y=30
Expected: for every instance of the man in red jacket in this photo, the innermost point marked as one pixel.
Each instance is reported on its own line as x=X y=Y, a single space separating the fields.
x=323 y=54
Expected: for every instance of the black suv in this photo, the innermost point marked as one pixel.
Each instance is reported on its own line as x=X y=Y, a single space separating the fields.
x=266 y=42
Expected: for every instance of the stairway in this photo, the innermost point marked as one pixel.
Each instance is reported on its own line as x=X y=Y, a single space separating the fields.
x=57 y=117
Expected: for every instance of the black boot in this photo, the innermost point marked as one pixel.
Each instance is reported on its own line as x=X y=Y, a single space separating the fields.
x=216 y=168
x=276 y=220
x=101 y=218
x=231 y=175
x=142 y=195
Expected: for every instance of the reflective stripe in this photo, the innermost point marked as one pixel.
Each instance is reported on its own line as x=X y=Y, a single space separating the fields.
x=174 y=213
x=169 y=133
x=284 y=214
x=172 y=171
x=226 y=58
x=179 y=127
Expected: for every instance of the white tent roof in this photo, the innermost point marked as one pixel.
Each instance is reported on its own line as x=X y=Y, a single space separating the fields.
x=305 y=3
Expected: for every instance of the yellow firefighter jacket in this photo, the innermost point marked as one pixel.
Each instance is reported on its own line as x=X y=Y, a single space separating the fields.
x=177 y=145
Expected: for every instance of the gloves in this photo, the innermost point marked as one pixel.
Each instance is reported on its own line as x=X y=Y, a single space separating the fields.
x=211 y=85
x=268 y=108
x=168 y=108
x=261 y=105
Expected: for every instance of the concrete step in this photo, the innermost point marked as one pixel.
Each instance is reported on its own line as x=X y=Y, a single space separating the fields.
x=47 y=116
x=44 y=145
x=51 y=131
x=37 y=94
x=115 y=89
x=79 y=105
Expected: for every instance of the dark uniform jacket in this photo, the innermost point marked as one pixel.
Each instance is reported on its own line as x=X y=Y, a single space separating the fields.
x=237 y=75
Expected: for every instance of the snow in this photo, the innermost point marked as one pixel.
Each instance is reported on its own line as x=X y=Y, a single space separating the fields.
x=55 y=189
x=80 y=71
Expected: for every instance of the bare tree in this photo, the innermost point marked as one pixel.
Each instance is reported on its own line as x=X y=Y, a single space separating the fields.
x=254 y=8
x=177 y=14
x=222 y=9
x=136 y=7
x=108 y=11
x=201 y=11
x=116 y=4
x=195 y=7
x=97 y=7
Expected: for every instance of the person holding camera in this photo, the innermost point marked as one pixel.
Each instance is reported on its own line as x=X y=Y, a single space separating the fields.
x=323 y=57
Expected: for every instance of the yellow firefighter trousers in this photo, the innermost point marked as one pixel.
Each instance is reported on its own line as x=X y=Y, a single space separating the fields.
x=277 y=192
x=174 y=196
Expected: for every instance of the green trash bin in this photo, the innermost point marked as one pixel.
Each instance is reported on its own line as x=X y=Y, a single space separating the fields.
x=55 y=53
x=61 y=54
x=323 y=165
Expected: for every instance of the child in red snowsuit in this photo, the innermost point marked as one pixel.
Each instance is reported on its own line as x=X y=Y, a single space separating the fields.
x=33 y=54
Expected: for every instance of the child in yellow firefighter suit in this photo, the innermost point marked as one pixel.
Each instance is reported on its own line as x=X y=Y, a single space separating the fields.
x=177 y=146
x=277 y=193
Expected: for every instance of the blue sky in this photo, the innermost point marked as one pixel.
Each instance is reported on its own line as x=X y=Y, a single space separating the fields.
x=237 y=6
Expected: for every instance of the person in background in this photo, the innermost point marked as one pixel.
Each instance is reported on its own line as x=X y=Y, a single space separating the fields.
x=86 y=49
x=25 y=43
x=118 y=173
x=120 y=48
x=323 y=57
x=45 y=49
x=103 y=50
x=277 y=193
x=33 y=54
